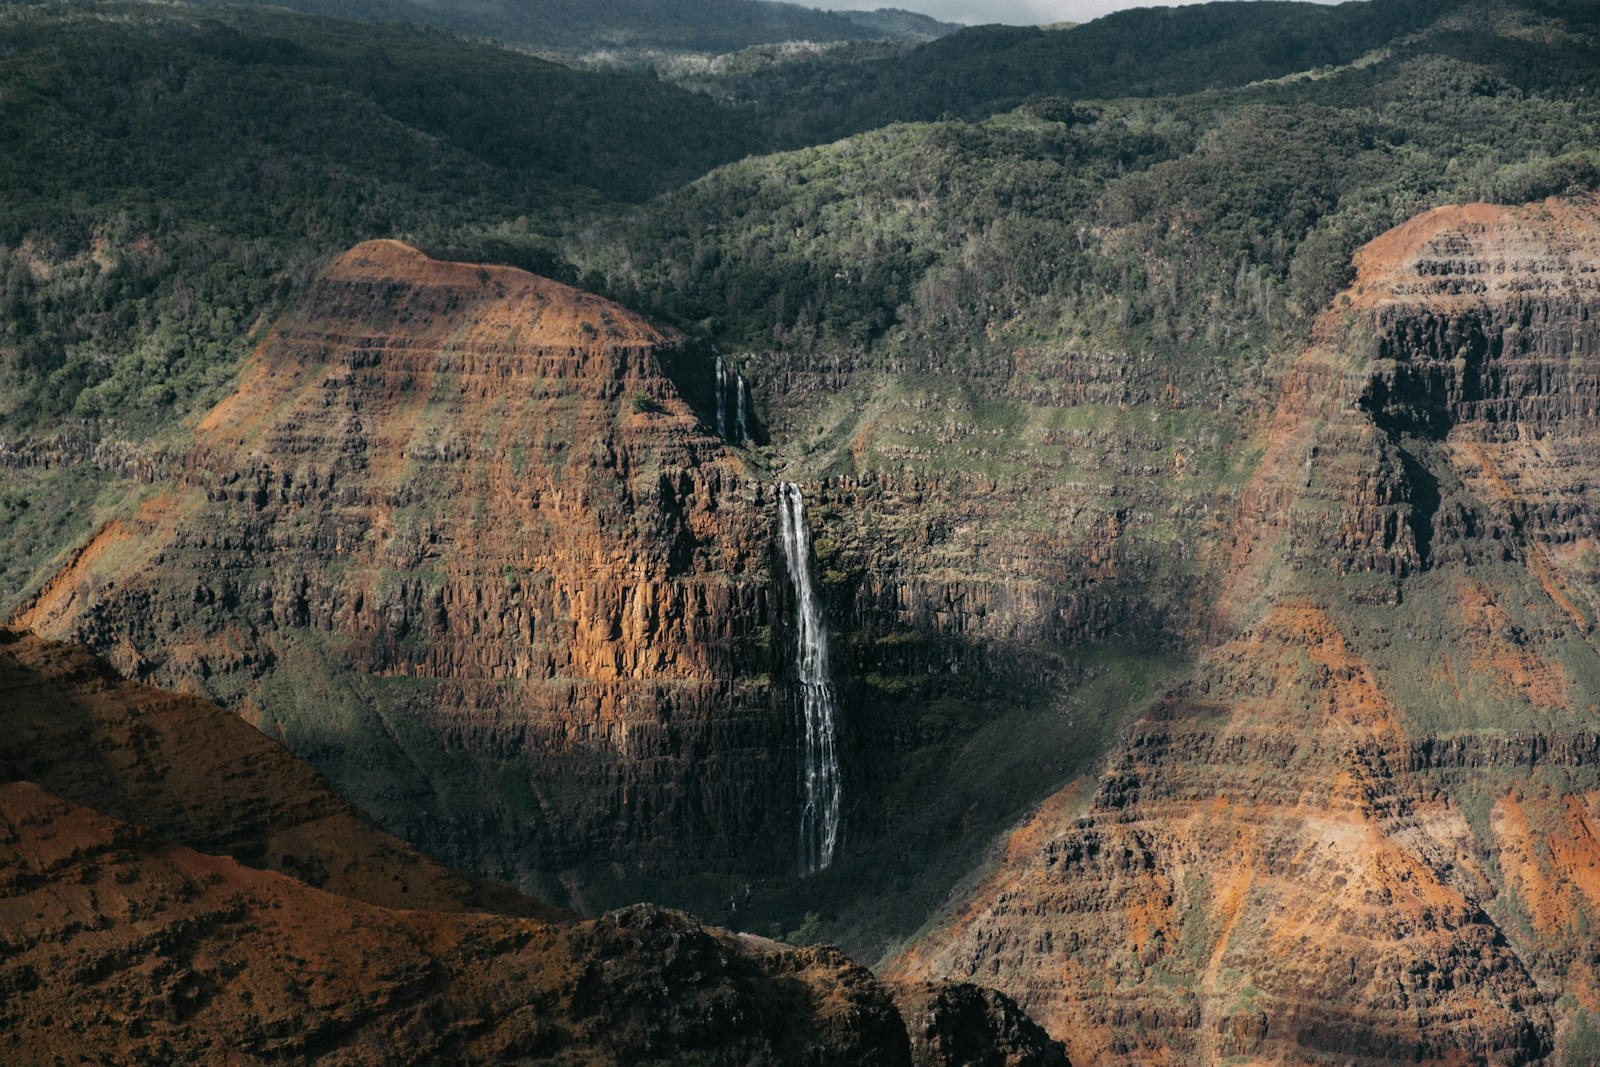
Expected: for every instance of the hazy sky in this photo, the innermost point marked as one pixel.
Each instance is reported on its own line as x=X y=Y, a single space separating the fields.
x=1020 y=12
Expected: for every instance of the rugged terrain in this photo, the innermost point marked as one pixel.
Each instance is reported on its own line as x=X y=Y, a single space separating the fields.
x=573 y=665
x=1211 y=617
x=459 y=541
x=1364 y=831
x=174 y=886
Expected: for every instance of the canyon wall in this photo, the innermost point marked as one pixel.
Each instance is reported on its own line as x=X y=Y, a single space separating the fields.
x=1363 y=830
x=458 y=542
x=464 y=539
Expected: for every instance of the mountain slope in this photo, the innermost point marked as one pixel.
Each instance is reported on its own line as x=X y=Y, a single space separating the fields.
x=1017 y=368
x=174 y=764
x=1024 y=368
x=459 y=541
x=1066 y=419
x=176 y=171
x=121 y=944
x=1144 y=52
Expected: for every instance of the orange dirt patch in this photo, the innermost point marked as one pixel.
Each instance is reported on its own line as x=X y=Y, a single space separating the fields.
x=1508 y=248
x=1517 y=668
x=72 y=583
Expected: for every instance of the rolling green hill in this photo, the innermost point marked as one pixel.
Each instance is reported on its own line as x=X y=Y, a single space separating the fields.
x=1141 y=52
x=1142 y=219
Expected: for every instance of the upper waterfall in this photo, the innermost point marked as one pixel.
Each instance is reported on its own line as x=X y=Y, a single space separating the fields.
x=722 y=397
x=739 y=423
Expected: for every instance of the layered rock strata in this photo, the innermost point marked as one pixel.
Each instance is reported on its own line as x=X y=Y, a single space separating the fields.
x=458 y=541
x=1360 y=833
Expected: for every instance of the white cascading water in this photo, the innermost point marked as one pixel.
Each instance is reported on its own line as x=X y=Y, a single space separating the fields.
x=739 y=424
x=722 y=398
x=819 y=820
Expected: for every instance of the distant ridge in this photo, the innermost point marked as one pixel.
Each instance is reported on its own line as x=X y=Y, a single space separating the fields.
x=581 y=25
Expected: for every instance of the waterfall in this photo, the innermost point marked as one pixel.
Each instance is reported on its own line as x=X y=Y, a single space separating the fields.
x=744 y=435
x=819 y=820
x=722 y=398
x=740 y=427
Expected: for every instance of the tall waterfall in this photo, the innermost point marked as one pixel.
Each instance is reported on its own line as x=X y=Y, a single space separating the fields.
x=819 y=821
x=722 y=398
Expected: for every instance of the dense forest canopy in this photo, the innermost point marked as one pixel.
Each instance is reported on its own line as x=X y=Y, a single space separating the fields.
x=1208 y=222
x=171 y=170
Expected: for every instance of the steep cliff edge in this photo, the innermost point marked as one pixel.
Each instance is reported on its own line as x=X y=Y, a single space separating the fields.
x=458 y=541
x=1363 y=831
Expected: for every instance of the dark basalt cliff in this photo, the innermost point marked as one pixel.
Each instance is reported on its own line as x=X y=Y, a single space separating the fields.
x=174 y=887
x=1364 y=830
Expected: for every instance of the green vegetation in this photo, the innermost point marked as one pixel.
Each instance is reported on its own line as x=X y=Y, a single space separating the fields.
x=44 y=513
x=808 y=933
x=1145 y=52
x=1199 y=933
x=177 y=172
x=1205 y=228
x=1165 y=197
x=1583 y=1037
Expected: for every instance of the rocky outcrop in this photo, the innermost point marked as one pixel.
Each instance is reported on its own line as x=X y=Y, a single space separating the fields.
x=1485 y=346
x=177 y=766
x=1445 y=412
x=1358 y=833
x=1254 y=878
x=960 y=1025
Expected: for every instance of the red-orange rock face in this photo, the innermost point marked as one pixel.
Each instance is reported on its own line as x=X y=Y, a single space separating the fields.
x=1360 y=832
x=180 y=767
x=458 y=541
x=436 y=544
